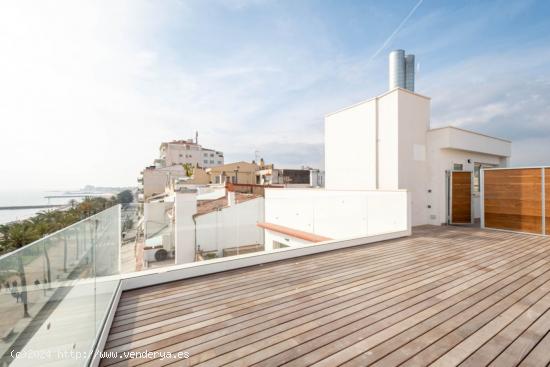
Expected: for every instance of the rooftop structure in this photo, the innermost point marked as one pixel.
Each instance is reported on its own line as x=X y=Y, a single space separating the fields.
x=395 y=148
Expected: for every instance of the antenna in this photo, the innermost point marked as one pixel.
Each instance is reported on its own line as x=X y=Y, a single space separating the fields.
x=257 y=156
x=196 y=137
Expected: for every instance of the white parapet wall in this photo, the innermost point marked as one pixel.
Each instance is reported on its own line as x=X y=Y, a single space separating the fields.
x=185 y=208
x=337 y=214
x=232 y=226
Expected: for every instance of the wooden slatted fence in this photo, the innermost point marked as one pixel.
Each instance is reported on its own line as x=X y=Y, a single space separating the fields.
x=516 y=199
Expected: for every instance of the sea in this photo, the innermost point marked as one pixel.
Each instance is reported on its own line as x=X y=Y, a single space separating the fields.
x=25 y=198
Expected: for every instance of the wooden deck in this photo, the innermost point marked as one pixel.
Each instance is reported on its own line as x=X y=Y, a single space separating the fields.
x=445 y=296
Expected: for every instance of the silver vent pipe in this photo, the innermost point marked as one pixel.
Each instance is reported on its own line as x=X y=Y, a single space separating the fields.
x=401 y=70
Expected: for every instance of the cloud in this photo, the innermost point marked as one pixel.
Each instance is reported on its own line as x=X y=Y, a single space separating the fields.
x=90 y=89
x=503 y=94
x=70 y=100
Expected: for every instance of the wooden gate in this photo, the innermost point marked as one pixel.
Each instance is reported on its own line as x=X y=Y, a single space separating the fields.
x=516 y=199
x=460 y=197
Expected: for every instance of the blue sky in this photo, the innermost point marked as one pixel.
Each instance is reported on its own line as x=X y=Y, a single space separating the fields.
x=91 y=89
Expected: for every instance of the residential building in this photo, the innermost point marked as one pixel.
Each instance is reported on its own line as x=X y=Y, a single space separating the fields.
x=176 y=159
x=189 y=151
x=237 y=172
x=154 y=180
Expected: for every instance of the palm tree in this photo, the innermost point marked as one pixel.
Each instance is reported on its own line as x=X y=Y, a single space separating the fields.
x=188 y=168
x=20 y=234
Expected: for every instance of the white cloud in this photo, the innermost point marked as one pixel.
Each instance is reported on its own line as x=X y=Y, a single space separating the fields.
x=71 y=111
x=500 y=94
x=90 y=88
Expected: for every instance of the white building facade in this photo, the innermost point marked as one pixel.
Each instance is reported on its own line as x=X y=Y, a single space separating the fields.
x=188 y=151
x=394 y=148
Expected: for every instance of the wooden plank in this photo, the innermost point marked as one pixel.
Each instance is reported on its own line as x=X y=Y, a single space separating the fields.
x=461 y=197
x=369 y=264
x=522 y=346
x=540 y=355
x=201 y=343
x=321 y=323
x=377 y=298
x=384 y=283
x=484 y=330
x=404 y=346
x=490 y=350
x=512 y=199
x=373 y=272
x=366 y=338
x=370 y=294
x=234 y=277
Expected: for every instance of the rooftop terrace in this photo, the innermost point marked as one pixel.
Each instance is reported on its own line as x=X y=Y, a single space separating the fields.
x=446 y=295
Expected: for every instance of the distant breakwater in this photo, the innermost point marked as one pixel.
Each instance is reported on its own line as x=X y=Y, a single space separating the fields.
x=31 y=206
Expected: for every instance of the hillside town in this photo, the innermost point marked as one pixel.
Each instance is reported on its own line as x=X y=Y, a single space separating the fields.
x=219 y=191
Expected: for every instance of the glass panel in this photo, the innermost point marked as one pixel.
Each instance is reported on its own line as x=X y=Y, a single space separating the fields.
x=56 y=292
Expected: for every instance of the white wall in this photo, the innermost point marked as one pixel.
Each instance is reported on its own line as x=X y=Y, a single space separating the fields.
x=443 y=155
x=394 y=149
x=231 y=227
x=414 y=118
x=388 y=142
x=154 y=216
x=185 y=206
x=444 y=161
x=338 y=214
x=391 y=131
x=155 y=180
x=350 y=161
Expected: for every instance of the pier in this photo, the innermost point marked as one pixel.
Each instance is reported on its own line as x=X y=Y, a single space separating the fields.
x=31 y=206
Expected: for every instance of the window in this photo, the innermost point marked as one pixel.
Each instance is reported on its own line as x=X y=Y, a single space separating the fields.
x=206 y=154
x=206 y=161
x=219 y=162
x=234 y=179
x=458 y=167
x=217 y=179
x=211 y=162
x=211 y=154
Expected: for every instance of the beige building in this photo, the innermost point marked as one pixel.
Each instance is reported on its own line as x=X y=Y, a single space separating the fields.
x=188 y=151
x=154 y=180
x=238 y=172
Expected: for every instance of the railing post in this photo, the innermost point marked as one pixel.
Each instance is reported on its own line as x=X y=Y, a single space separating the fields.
x=543 y=200
x=482 y=198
